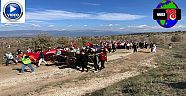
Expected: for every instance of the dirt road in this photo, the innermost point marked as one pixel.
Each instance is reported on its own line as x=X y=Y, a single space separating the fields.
x=52 y=81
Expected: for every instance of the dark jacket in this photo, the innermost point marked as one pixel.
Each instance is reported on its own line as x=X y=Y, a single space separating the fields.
x=84 y=58
x=41 y=55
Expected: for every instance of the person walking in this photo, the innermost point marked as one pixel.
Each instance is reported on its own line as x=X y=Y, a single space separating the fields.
x=151 y=47
x=102 y=58
x=26 y=62
x=41 y=58
x=135 y=47
x=170 y=45
x=19 y=51
x=96 y=61
x=18 y=54
x=29 y=50
x=9 y=57
x=58 y=55
x=84 y=61
x=113 y=47
x=146 y=45
x=78 y=60
x=128 y=46
x=109 y=48
x=154 y=48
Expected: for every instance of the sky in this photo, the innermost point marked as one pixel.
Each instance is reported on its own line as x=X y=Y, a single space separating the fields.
x=111 y=15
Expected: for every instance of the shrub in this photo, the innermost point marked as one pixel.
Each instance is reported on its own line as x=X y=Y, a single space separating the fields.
x=176 y=38
x=42 y=41
x=62 y=41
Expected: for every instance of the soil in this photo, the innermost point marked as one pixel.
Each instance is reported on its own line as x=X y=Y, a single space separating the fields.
x=54 y=81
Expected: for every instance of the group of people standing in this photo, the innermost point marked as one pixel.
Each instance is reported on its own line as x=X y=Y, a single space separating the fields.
x=82 y=55
x=85 y=55
x=152 y=46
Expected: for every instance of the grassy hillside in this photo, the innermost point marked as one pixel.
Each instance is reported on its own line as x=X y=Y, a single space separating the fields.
x=169 y=79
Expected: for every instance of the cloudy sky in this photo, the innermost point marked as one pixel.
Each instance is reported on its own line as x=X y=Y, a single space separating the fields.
x=113 y=15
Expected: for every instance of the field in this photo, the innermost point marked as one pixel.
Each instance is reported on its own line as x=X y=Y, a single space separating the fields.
x=168 y=79
x=126 y=73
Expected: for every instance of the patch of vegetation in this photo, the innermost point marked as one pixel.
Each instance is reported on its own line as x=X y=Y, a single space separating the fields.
x=169 y=79
x=176 y=38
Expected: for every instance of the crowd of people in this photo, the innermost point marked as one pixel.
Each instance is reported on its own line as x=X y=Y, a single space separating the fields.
x=82 y=55
x=136 y=45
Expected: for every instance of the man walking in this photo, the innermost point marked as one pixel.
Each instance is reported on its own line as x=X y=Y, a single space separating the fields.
x=151 y=46
x=26 y=62
x=154 y=48
x=96 y=61
x=41 y=58
x=135 y=47
x=113 y=47
x=9 y=57
x=84 y=61
x=58 y=55
x=78 y=60
x=102 y=58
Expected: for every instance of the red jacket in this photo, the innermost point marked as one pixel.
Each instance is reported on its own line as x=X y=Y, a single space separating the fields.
x=103 y=57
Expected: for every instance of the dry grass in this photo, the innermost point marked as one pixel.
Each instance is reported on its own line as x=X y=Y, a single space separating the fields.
x=169 y=79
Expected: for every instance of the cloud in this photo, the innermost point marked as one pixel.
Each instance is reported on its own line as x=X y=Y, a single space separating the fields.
x=54 y=15
x=121 y=28
x=179 y=26
x=10 y=25
x=155 y=28
x=61 y=15
x=117 y=16
x=35 y=25
x=92 y=4
x=69 y=26
x=85 y=25
x=51 y=25
x=145 y=27
x=110 y=25
x=7 y=24
x=35 y=21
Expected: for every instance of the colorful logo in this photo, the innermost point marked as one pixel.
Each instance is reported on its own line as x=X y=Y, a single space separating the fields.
x=167 y=13
x=12 y=11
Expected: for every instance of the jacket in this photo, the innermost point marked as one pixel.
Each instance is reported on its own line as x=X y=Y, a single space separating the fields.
x=84 y=58
x=103 y=57
x=26 y=60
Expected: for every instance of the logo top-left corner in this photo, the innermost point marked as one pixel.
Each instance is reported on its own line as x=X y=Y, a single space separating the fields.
x=12 y=11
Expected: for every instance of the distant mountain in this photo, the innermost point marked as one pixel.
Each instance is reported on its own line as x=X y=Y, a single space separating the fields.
x=74 y=33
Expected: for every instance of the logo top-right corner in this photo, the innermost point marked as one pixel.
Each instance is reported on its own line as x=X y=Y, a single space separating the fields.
x=167 y=13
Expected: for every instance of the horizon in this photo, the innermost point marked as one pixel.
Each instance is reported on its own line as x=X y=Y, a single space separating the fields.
x=73 y=34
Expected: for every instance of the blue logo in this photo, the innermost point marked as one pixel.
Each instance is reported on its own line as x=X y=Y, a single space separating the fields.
x=13 y=11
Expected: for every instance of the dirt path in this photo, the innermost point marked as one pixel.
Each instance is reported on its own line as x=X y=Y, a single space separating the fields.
x=52 y=81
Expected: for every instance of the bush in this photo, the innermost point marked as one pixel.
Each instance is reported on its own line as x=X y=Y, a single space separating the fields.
x=176 y=38
x=62 y=41
x=154 y=39
x=42 y=41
